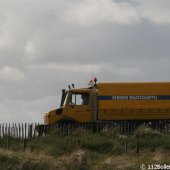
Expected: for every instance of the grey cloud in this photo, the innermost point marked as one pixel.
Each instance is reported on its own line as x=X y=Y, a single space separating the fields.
x=109 y=44
x=44 y=46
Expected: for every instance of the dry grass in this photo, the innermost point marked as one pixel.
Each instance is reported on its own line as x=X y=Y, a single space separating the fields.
x=30 y=161
x=80 y=160
x=132 y=161
x=144 y=131
x=88 y=151
x=76 y=160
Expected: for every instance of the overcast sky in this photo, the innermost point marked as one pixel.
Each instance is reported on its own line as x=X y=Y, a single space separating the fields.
x=46 y=45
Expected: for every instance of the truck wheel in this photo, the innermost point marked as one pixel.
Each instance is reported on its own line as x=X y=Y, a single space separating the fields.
x=41 y=129
x=65 y=126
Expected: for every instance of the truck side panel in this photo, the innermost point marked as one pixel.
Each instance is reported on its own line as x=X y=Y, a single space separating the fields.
x=133 y=101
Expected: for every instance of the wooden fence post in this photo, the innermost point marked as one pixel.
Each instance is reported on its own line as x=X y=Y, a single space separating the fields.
x=35 y=126
x=16 y=129
x=126 y=146
x=25 y=144
x=19 y=131
x=30 y=131
x=8 y=138
x=3 y=130
x=22 y=131
x=25 y=130
x=6 y=131
x=137 y=146
x=0 y=131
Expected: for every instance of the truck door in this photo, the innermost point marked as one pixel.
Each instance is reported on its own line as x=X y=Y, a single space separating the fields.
x=80 y=108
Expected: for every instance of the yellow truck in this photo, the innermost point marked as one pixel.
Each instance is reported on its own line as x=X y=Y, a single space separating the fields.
x=100 y=102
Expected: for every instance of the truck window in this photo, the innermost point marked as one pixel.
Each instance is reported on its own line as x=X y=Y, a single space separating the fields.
x=79 y=99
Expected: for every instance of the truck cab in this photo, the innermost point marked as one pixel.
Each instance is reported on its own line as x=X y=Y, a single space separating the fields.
x=76 y=106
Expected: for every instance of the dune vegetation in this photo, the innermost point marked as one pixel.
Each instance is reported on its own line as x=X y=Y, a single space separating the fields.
x=86 y=150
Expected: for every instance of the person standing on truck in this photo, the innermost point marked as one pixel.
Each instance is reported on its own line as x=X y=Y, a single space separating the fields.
x=85 y=99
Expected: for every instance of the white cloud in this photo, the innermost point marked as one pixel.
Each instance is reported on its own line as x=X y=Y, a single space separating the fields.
x=156 y=11
x=92 y=12
x=128 y=71
x=32 y=52
x=91 y=69
x=69 y=67
x=9 y=74
x=6 y=41
x=26 y=111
